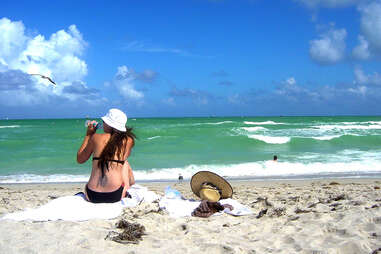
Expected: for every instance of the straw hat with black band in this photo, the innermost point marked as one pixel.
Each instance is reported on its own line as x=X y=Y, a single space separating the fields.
x=210 y=186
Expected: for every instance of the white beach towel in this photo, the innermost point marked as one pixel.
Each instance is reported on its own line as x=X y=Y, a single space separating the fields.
x=177 y=207
x=76 y=208
x=238 y=208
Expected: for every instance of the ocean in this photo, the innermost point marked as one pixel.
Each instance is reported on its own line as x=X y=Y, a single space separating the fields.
x=39 y=151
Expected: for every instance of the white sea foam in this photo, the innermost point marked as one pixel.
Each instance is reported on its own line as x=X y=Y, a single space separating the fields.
x=353 y=162
x=253 y=129
x=153 y=137
x=282 y=136
x=217 y=123
x=271 y=140
x=374 y=126
x=348 y=127
x=327 y=137
x=368 y=122
x=31 y=178
x=262 y=123
x=375 y=122
x=268 y=169
x=352 y=122
x=9 y=126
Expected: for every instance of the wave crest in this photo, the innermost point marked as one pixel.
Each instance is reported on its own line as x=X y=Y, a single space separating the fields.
x=252 y=129
x=9 y=126
x=260 y=169
x=262 y=123
x=271 y=140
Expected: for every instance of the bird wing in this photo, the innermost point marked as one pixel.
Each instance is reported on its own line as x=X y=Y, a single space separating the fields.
x=50 y=80
x=45 y=77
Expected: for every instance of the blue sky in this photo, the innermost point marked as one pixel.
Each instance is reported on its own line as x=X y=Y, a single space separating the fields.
x=190 y=58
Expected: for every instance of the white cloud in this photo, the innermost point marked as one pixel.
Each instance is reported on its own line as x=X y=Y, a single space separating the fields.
x=290 y=90
x=371 y=23
x=169 y=101
x=329 y=3
x=225 y=83
x=139 y=46
x=198 y=97
x=330 y=48
x=147 y=47
x=291 y=81
x=343 y=97
x=366 y=79
x=236 y=99
x=360 y=77
x=364 y=85
x=361 y=51
x=12 y=40
x=128 y=90
x=147 y=76
x=21 y=97
x=124 y=82
x=361 y=90
x=57 y=57
x=123 y=72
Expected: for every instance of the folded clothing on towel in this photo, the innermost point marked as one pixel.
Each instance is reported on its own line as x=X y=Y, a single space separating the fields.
x=207 y=208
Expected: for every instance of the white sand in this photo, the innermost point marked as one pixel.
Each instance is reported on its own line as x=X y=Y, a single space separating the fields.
x=301 y=217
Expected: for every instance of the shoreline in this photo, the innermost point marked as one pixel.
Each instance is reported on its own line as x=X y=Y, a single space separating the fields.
x=332 y=215
x=233 y=180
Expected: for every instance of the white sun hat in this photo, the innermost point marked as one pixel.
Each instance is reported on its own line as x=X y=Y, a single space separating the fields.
x=116 y=119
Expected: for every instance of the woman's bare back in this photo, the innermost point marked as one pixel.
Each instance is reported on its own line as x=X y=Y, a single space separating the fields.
x=113 y=178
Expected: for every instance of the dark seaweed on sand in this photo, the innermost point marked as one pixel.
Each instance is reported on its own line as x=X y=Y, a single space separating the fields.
x=132 y=232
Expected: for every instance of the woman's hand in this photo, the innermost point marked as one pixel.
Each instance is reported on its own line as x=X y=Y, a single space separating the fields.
x=91 y=128
x=87 y=147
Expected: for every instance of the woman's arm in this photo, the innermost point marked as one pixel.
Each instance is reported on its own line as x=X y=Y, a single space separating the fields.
x=87 y=147
x=128 y=176
x=125 y=176
x=131 y=177
x=129 y=145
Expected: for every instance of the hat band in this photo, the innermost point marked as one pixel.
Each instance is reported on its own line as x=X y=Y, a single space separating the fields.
x=209 y=194
x=211 y=186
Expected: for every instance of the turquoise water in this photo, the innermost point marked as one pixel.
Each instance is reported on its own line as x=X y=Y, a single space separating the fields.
x=45 y=150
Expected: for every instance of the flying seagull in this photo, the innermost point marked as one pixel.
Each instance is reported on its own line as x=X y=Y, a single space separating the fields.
x=45 y=77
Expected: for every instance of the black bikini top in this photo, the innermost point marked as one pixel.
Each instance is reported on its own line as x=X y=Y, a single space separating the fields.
x=117 y=161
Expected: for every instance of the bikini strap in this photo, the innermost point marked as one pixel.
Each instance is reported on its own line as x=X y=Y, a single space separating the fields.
x=117 y=161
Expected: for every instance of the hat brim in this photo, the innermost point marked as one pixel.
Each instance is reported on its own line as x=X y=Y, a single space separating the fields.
x=209 y=177
x=110 y=123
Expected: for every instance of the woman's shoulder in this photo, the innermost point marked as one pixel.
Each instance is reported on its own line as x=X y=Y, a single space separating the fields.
x=130 y=140
x=100 y=136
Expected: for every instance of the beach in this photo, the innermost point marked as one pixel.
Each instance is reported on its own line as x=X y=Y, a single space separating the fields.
x=289 y=216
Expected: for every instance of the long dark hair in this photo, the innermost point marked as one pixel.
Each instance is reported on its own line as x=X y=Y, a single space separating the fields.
x=115 y=146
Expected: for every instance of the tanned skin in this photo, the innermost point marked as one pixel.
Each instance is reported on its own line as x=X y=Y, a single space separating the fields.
x=118 y=174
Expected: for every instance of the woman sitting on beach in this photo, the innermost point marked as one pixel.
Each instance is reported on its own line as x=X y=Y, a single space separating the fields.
x=111 y=174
